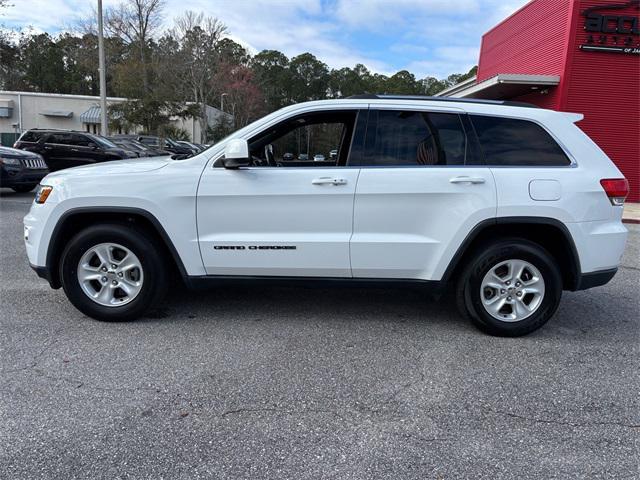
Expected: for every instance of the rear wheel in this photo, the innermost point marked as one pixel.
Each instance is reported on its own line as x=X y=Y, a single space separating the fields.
x=113 y=272
x=24 y=188
x=510 y=288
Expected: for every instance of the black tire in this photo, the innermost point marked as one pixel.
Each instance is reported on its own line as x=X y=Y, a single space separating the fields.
x=468 y=294
x=145 y=248
x=24 y=188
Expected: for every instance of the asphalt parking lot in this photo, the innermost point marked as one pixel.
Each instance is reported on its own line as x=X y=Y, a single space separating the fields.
x=313 y=383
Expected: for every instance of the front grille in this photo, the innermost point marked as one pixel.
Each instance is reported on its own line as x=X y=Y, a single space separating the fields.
x=34 y=163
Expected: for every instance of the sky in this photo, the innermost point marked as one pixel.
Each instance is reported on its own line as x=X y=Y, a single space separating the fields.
x=426 y=37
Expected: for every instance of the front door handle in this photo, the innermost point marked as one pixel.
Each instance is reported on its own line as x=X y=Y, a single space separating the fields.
x=328 y=181
x=467 y=180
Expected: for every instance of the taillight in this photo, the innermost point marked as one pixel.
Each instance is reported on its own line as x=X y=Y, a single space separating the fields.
x=616 y=189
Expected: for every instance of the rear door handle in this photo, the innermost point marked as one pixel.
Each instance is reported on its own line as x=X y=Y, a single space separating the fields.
x=328 y=181
x=467 y=180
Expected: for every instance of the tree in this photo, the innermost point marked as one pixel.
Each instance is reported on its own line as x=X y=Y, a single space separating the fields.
x=43 y=62
x=174 y=133
x=309 y=78
x=136 y=22
x=153 y=114
x=195 y=61
x=242 y=91
x=272 y=75
x=232 y=53
x=402 y=83
x=11 y=66
x=198 y=38
x=471 y=73
x=431 y=85
x=346 y=81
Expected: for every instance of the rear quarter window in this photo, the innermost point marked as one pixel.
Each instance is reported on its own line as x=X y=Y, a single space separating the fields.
x=517 y=143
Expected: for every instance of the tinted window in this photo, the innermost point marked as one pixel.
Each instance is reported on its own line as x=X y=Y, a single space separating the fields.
x=31 y=136
x=82 y=141
x=511 y=142
x=60 y=138
x=415 y=138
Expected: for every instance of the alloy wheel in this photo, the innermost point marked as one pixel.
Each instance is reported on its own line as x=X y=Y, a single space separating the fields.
x=512 y=290
x=110 y=274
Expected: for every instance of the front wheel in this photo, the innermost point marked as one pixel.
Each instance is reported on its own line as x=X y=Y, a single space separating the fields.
x=113 y=272
x=510 y=288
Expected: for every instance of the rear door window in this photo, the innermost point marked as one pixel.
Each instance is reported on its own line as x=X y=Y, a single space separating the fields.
x=60 y=139
x=82 y=141
x=511 y=142
x=414 y=138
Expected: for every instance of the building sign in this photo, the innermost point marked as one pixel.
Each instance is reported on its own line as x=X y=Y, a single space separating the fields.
x=608 y=32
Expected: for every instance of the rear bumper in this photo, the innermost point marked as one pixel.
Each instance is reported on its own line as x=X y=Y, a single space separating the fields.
x=600 y=244
x=595 y=279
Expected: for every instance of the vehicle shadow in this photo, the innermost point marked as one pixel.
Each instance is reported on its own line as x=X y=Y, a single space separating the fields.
x=320 y=304
x=581 y=315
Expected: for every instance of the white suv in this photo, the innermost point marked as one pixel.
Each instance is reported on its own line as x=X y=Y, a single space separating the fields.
x=508 y=204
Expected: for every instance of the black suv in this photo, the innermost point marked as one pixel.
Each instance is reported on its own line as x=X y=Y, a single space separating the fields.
x=19 y=170
x=65 y=149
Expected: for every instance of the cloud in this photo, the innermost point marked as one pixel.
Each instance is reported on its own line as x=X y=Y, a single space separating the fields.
x=292 y=27
x=47 y=15
x=376 y=15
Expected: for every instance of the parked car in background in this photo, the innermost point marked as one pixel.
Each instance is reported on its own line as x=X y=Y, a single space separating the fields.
x=160 y=144
x=303 y=157
x=20 y=170
x=192 y=146
x=318 y=157
x=64 y=148
x=141 y=149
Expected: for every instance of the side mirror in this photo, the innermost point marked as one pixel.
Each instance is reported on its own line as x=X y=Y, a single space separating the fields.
x=236 y=154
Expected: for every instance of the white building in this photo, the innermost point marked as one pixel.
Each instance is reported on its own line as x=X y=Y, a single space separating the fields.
x=20 y=111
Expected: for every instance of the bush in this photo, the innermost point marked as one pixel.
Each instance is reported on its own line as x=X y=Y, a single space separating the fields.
x=173 y=132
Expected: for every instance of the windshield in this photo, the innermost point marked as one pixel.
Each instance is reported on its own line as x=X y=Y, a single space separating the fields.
x=103 y=142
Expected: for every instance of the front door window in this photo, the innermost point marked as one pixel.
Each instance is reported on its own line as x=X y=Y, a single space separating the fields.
x=317 y=139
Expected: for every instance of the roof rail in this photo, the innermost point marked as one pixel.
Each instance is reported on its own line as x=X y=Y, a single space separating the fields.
x=64 y=130
x=506 y=103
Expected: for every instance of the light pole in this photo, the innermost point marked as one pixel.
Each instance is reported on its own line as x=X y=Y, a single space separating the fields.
x=222 y=95
x=104 y=128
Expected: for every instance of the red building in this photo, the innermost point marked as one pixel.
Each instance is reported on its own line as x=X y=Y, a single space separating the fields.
x=571 y=55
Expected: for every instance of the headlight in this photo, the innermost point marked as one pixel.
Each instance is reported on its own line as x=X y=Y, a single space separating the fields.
x=42 y=193
x=9 y=161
